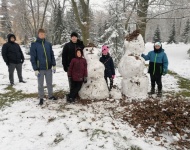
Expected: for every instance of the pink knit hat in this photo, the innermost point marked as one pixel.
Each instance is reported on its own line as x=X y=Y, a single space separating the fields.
x=105 y=49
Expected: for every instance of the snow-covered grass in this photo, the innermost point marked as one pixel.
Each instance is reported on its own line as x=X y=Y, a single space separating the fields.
x=57 y=125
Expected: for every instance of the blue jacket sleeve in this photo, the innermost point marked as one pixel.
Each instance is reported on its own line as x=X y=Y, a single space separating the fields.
x=52 y=56
x=165 y=63
x=33 y=56
x=146 y=57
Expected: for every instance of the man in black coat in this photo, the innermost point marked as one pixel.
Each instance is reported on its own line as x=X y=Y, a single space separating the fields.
x=69 y=51
x=13 y=57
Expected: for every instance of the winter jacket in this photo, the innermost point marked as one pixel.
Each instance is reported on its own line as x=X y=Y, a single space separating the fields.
x=12 y=52
x=42 y=55
x=109 y=65
x=158 y=64
x=78 y=69
x=69 y=52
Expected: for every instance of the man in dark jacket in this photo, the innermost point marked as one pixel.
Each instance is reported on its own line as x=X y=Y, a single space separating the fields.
x=69 y=51
x=13 y=57
x=43 y=63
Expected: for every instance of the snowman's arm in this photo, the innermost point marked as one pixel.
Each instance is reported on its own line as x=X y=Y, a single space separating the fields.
x=112 y=67
x=165 y=63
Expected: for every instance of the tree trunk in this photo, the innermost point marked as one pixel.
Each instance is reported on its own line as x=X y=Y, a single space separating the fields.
x=84 y=22
x=142 y=10
x=44 y=14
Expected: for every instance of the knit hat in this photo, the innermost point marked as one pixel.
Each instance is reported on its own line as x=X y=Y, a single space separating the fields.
x=157 y=44
x=74 y=34
x=105 y=49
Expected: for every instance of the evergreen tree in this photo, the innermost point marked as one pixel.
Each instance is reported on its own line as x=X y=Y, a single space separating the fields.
x=6 y=25
x=186 y=33
x=172 y=37
x=58 y=26
x=157 y=37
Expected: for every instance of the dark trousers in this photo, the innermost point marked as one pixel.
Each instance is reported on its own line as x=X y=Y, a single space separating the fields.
x=156 y=79
x=75 y=88
x=111 y=82
x=12 y=68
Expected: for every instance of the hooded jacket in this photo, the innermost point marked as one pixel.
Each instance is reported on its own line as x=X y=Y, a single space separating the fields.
x=158 y=64
x=42 y=55
x=11 y=51
x=78 y=68
x=69 y=52
x=109 y=65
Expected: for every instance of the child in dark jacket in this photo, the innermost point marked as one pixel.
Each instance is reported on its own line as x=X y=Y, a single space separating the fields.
x=78 y=74
x=109 y=71
x=158 y=66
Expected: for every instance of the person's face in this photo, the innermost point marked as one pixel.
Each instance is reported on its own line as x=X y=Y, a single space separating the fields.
x=157 y=46
x=42 y=35
x=12 y=39
x=78 y=54
x=74 y=39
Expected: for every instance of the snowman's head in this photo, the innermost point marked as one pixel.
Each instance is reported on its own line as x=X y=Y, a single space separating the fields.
x=105 y=49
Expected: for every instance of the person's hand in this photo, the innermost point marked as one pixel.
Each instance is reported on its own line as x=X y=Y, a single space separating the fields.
x=22 y=61
x=85 y=79
x=37 y=73
x=65 y=69
x=54 y=69
x=164 y=73
x=113 y=76
x=7 y=63
x=142 y=55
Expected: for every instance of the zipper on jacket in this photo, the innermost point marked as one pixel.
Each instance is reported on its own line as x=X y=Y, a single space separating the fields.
x=45 y=54
x=155 y=64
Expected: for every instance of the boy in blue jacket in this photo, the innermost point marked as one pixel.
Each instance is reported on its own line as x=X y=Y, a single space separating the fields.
x=43 y=63
x=158 y=66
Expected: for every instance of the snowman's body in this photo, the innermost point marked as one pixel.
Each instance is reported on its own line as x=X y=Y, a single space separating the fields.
x=131 y=67
x=96 y=87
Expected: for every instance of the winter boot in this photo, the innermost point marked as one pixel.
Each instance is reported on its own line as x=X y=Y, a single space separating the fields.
x=53 y=98
x=41 y=101
x=159 y=94
x=71 y=100
x=22 y=81
x=152 y=91
x=67 y=97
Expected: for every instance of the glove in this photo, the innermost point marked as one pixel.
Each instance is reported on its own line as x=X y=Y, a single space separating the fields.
x=142 y=55
x=65 y=69
x=7 y=63
x=37 y=73
x=113 y=76
x=54 y=69
x=22 y=61
x=85 y=79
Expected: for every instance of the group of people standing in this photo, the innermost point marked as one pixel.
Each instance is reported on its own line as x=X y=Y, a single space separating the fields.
x=44 y=64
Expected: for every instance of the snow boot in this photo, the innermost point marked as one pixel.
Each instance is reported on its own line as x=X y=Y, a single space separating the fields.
x=22 y=81
x=67 y=97
x=41 y=101
x=53 y=98
x=159 y=94
x=152 y=91
x=71 y=100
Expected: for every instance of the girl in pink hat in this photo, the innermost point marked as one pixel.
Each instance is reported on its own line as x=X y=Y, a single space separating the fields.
x=109 y=71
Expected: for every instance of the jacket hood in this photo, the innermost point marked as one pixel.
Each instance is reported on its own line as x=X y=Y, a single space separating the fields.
x=39 y=40
x=9 y=37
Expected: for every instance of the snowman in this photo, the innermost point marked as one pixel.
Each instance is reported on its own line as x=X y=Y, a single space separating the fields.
x=131 y=67
x=96 y=87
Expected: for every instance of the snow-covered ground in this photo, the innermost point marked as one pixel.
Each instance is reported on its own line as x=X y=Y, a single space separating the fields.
x=58 y=125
